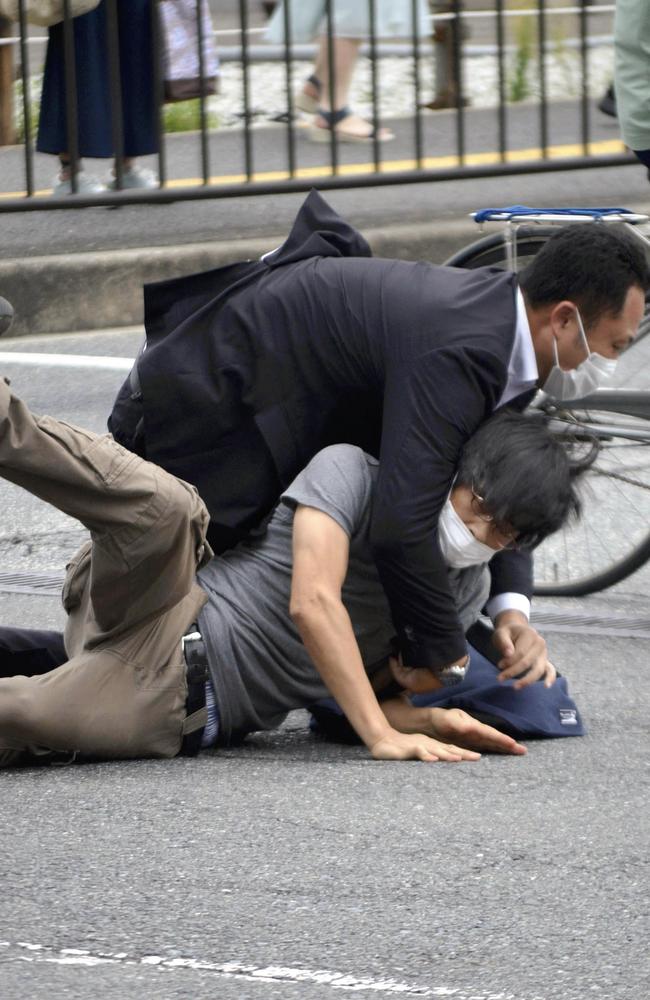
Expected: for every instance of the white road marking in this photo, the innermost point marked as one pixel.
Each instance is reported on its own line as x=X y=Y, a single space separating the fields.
x=66 y=361
x=29 y=952
x=44 y=338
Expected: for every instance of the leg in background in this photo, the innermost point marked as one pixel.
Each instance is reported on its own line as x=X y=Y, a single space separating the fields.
x=30 y=651
x=349 y=126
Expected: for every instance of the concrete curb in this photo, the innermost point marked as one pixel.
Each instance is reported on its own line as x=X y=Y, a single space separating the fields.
x=93 y=291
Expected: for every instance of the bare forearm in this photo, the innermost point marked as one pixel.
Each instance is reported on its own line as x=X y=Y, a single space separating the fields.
x=327 y=634
x=320 y=564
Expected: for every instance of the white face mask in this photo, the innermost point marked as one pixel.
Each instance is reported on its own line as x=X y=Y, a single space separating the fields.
x=582 y=380
x=457 y=543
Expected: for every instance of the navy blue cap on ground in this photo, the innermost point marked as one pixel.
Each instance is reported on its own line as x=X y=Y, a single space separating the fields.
x=532 y=712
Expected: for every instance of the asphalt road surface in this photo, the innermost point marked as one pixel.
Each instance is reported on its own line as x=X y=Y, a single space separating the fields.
x=289 y=868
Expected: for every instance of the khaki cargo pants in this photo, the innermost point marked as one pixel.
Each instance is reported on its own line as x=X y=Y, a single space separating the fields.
x=130 y=594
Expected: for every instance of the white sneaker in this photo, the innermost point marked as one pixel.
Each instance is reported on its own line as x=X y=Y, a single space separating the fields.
x=135 y=177
x=86 y=184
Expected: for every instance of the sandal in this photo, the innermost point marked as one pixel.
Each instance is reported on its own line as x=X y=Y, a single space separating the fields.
x=307 y=103
x=333 y=119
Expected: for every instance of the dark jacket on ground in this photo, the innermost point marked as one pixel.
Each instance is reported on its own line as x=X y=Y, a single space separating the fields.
x=316 y=344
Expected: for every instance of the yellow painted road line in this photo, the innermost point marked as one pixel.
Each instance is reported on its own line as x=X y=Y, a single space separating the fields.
x=606 y=147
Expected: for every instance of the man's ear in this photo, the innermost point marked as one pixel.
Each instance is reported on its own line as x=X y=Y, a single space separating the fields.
x=562 y=320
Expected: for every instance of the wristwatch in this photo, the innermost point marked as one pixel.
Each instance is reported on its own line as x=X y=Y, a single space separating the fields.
x=453 y=674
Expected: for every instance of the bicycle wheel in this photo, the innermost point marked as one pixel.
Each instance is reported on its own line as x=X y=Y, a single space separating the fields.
x=611 y=540
x=493 y=250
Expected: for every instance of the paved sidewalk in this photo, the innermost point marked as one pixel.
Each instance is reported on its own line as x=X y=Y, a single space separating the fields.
x=84 y=268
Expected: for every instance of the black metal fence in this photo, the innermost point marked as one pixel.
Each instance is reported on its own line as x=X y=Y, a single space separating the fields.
x=518 y=120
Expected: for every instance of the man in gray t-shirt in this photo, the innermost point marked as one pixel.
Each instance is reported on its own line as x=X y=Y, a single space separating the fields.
x=298 y=611
x=292 y=614
x=259 y=666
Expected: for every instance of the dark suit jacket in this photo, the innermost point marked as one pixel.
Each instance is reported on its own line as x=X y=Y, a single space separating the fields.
x=320 y=343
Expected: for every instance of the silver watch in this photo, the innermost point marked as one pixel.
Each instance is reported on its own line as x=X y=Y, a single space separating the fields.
x=454 y=674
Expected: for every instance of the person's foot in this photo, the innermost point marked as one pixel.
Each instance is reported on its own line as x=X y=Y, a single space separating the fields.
x=308 y=99
x=134 y=177
x=607 y=103
x=86 y=184
x=348 y=127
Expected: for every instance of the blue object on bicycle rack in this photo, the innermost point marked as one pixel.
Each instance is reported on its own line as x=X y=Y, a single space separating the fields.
x=495 y=214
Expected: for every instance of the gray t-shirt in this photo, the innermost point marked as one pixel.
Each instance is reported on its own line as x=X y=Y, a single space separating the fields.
x=259 y=667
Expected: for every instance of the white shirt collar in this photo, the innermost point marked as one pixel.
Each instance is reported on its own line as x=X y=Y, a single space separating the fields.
x=522 y=366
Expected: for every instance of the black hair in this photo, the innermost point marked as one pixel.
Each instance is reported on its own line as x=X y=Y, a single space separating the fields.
x=592 y=264
x=525 y=474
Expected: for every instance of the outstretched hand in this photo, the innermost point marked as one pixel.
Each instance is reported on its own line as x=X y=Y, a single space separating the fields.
x=455 y=725
x=417 y=746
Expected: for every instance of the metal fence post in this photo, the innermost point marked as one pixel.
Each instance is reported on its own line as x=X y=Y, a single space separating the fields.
x=342 y=172
x=7 y=129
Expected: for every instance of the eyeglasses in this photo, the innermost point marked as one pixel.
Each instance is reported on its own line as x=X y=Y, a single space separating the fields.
x=507 y=536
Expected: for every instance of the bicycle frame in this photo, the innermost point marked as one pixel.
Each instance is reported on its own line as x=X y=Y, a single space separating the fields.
x=629 y=402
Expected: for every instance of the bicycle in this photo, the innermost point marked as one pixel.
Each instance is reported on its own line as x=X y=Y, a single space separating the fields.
x=594 y=553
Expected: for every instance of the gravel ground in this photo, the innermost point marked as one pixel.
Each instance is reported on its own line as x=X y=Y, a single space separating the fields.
x=267 y=83
x=267 y=80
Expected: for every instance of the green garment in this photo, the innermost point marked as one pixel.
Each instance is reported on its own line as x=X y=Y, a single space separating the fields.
x=632 y=82
x=350 y=19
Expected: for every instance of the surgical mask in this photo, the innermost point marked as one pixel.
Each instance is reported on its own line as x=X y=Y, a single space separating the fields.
x=582 y=380
x=457 y=543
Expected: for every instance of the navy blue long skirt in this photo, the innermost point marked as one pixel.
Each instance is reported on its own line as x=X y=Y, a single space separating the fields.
x=93 y=84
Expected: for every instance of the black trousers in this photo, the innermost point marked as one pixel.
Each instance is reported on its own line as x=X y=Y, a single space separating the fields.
x=30 y=651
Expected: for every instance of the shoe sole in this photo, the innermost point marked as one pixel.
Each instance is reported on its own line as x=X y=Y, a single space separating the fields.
x=134 y=187
x=318 y=134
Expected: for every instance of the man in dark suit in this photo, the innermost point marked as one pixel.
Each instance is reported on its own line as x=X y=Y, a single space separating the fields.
x=249 y=370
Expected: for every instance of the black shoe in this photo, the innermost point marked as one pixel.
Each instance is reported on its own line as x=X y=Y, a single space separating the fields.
x=607 y=103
